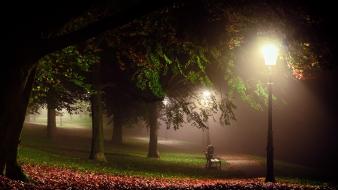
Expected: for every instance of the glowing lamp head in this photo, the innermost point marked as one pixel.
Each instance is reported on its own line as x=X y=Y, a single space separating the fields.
x=165 y=101
x=206 y=94
x=270 y=53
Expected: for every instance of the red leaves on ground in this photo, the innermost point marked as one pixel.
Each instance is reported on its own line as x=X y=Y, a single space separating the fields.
x=58 y=178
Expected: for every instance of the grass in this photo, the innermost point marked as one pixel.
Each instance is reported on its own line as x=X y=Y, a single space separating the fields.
x=121 y=163
x=69 y=151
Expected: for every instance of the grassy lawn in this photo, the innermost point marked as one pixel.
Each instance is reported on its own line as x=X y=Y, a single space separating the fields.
x=70 y=149
x=129 y=159
x=170 y=164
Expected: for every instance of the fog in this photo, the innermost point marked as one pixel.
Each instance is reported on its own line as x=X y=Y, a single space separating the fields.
x=305 y=125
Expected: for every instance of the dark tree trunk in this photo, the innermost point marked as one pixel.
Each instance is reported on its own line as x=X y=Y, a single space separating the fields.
x=51 y=122
x=15 y=105
x=51 y=115
x=97 y=146
x=153 y=126
x=117 y=131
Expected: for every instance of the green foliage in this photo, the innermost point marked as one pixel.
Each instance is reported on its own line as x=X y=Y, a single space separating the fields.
x=196 y=110
x=61 y=79
x=152 y=54
x=153 y=50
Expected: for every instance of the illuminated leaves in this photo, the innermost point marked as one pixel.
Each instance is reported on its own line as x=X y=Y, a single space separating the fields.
x=303 y=48
x=150 y=49
x=302 y=60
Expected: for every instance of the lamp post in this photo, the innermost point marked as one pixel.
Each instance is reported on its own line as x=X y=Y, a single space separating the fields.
x=166 y=103
x=206 y=98
x=270 y=53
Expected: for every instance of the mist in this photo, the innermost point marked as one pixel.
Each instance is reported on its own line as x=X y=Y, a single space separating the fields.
x=305 y=125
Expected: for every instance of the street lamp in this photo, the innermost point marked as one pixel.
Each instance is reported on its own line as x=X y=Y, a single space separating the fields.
x=270 y=53
x=206 y=98
x=206 y=94
x=165 y=101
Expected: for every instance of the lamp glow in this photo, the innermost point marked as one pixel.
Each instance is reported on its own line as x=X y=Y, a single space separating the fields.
x=206 y=94
x=270 y=53
x=165 y=101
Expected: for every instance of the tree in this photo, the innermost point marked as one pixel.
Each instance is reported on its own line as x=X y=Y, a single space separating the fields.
x=143 y=72
x=97 y=146
x=123 y=109
x=151 y=119
x=28 y=47
x=61 y=83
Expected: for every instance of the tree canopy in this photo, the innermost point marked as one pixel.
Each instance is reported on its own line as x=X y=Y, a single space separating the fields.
x=62 y=76
x=202 y=43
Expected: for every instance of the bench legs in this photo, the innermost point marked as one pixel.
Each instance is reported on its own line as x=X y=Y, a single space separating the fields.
x=213 y=164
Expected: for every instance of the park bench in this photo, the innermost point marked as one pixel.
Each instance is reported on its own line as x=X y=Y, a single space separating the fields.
x=212 y=161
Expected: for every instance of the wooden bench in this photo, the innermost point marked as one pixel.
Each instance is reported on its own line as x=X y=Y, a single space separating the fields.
x=212 y=162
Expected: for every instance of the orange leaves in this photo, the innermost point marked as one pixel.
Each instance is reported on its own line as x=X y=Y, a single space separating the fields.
x=298 y=74
x=58 y=178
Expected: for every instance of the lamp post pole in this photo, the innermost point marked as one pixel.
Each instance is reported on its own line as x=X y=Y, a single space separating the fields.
x=270 y=53
x=270 y=177
x=208 y=136
x=206 y=100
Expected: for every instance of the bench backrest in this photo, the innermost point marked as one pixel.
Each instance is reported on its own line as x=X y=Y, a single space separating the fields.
x=209 y=154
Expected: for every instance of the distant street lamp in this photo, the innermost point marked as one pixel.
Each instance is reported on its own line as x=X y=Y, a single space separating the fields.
x=206 y=98
x=206 y=94
x=165 y=101
x=270 y=53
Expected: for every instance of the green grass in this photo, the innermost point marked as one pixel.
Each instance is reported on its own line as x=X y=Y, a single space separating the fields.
x=70 y=149
x=123 y=163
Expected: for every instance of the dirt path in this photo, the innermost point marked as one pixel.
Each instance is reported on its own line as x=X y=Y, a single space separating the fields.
x=248 y=166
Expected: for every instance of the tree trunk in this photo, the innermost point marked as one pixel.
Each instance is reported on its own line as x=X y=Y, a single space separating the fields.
x=117 y=131
x=15 y=101
x=97 y=146
x=51 y=123
x=153 y=126
x=51 y=115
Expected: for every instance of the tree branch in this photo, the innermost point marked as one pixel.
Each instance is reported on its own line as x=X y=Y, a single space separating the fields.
x=116 y=20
